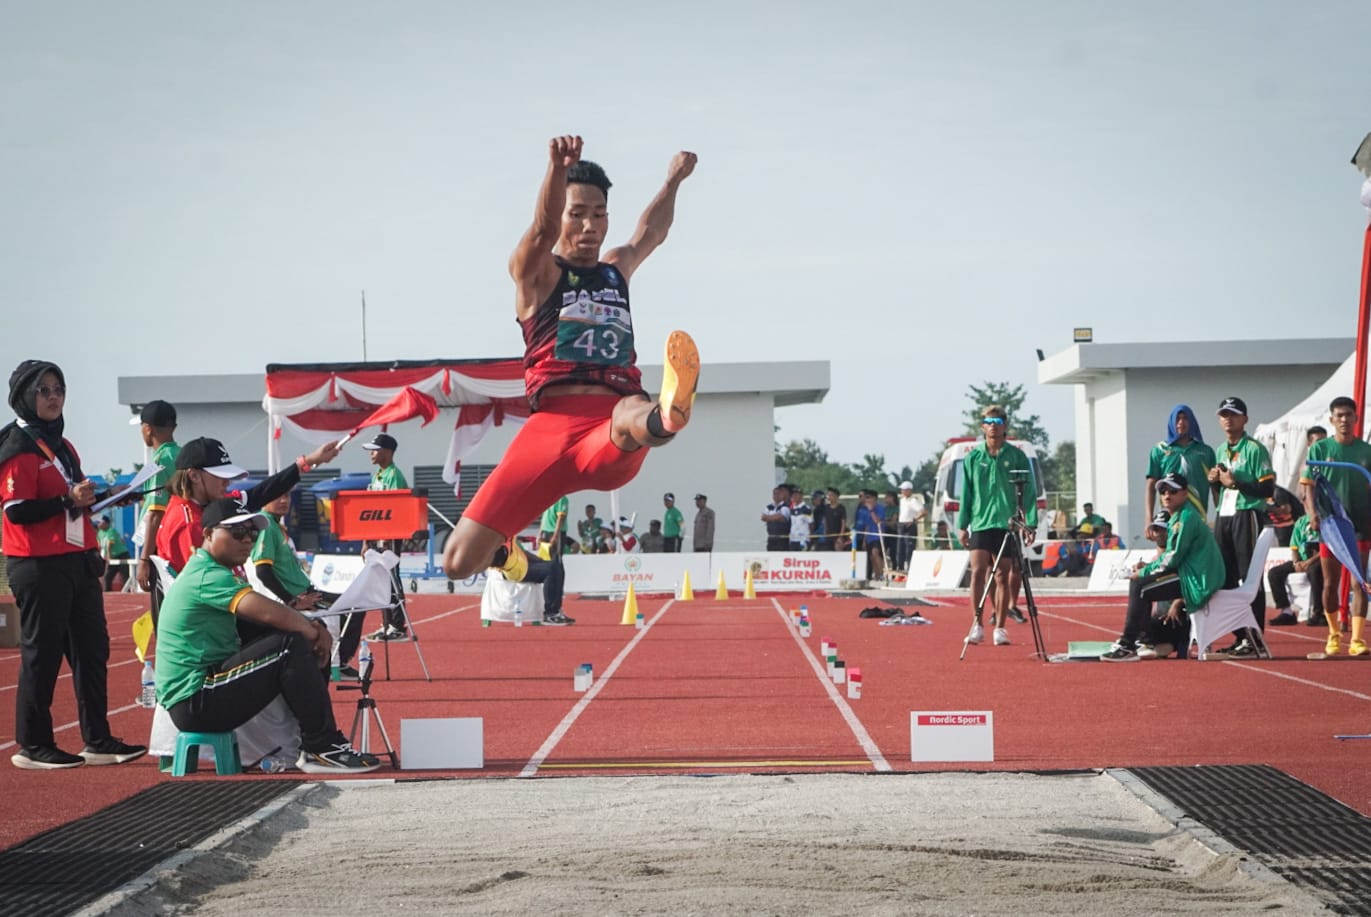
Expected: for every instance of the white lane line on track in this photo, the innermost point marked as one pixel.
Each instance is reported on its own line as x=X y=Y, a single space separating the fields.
x=869 y=747
x=539 y=756
x=1295 y=678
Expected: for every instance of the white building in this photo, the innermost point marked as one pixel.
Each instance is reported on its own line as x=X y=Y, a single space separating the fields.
x=1124 y=394
x=727 y=453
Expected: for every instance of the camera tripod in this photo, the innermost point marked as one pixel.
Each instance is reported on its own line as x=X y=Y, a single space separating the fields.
x=366 y=713
x=1011 y=548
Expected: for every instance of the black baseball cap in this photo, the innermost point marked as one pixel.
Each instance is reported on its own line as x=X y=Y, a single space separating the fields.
x=1173 y=481
x=1232 y=405
x=671 y=497
x=209 y=455
x=228 y=511
x=701 y=497
x=1160 y=519
x=381 y=441
x=817 y=493
x=156 y=413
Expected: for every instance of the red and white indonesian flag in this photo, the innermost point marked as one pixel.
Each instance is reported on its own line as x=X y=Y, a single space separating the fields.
x=407 y=404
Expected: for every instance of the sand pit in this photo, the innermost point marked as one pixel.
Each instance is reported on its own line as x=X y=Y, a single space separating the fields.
x=808 y=844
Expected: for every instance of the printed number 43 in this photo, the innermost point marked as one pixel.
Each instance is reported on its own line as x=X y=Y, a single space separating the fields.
x=606 y=346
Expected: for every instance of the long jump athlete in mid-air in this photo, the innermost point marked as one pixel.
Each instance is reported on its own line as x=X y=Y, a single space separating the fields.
x=591 y=420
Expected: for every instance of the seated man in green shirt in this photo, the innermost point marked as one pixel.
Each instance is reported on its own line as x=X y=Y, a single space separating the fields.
x=1189 y=568
x=209 y=682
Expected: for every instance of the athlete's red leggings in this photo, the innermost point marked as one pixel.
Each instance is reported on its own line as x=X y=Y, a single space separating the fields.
x=564 y=446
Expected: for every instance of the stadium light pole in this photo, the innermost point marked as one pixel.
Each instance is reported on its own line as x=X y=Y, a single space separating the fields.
x=1362 y=160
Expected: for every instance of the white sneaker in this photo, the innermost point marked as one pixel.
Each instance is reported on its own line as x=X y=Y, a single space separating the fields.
x=975 y=635
x=1146 y=652
x=1001 y=637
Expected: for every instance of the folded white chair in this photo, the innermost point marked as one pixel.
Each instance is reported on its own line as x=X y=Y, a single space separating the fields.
x=371 y=590
x=500 y=597
x=1229 y=610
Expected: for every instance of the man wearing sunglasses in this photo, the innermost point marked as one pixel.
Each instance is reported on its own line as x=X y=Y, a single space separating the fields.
x=988 y=505
x=208 y=681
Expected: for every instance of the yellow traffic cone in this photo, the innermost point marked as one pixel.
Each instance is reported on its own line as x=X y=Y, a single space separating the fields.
x=722 y=591
x=630 y=607
x=749 y=592
x=687 y=594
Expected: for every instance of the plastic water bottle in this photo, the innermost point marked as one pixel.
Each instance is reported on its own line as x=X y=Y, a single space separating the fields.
x=804 y=627
x=518 y=616
x=364 y=659
x=271 y=765
x=639 y=622
x=147 y=697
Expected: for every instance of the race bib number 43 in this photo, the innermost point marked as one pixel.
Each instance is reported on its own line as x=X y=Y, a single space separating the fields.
x=593 y=332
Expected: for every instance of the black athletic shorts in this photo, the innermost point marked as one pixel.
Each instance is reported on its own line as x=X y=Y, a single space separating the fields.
x=988 y=540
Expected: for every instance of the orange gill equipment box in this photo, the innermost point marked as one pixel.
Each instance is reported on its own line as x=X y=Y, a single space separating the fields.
x=378 y=515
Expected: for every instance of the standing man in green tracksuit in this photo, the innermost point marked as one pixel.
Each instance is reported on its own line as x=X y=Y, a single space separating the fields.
x=387 y=476
x=1191 y=568
x=988 y=504
x=157 y=425
x=1242 y=479
x=672 y=520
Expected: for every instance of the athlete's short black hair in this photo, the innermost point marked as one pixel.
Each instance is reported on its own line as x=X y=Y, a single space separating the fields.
x=586 y=172
x=1342 y=401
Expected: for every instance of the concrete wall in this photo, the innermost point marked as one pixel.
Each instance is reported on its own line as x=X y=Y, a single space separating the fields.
x=727 y=453
x=1122 y=414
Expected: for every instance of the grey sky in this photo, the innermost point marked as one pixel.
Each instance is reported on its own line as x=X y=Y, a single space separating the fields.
x=921 y=193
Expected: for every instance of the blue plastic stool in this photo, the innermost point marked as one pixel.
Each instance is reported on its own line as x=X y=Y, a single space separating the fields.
x=186 y=760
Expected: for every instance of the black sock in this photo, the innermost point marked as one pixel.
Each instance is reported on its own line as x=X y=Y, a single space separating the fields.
x=654 y=423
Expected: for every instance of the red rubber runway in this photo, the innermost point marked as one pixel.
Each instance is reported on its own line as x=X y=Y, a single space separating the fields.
x=712 y=686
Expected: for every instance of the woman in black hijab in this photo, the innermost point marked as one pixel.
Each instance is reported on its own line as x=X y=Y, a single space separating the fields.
x=53 y=563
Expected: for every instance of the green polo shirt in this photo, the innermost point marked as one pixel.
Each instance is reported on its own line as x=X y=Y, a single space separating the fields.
x=1193 y=460
x=988 y=500
x=273 y=547
x=196 y=627
x=589 y=530
x=1248 y=461
x=388 y=478
x=1193 y=555
x=549 y=523
x=111 y=543
x=1304 y=540
x=1350 y=486
x=157 y=487
x=672 y=520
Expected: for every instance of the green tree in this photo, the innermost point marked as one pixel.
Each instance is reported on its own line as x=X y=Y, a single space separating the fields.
x=1021 y=424
x=926 y=477
x=1059 y=468
x=798 y=454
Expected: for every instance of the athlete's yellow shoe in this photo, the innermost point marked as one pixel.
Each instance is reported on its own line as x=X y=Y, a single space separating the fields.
x=1358 y=648
x=515 y=566
x=680 y=375
x=1334 y=645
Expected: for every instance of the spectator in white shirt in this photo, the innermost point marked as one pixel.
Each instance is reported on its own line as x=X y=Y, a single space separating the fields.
x=911 y=511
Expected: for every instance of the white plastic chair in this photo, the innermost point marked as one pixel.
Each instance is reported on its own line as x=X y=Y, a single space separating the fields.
x=1229 y=610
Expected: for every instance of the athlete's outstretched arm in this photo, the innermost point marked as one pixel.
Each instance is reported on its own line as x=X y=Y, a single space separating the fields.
x=656 y=220
x=532 y=258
